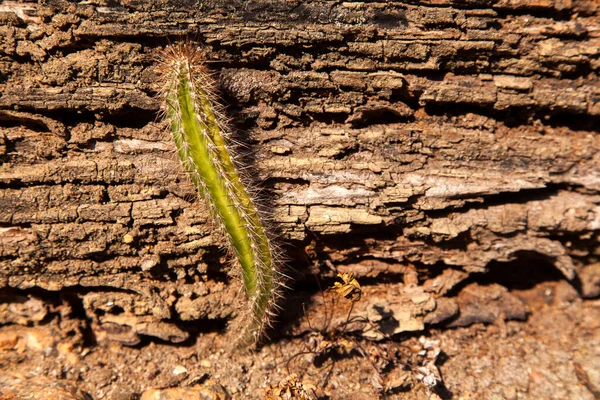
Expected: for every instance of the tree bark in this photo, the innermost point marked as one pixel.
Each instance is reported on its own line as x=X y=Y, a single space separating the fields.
x=444 y=152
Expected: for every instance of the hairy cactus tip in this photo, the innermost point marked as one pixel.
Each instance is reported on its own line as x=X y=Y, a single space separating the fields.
x=200 y=134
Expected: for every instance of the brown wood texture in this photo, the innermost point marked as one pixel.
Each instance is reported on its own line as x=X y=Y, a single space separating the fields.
x=423 y=146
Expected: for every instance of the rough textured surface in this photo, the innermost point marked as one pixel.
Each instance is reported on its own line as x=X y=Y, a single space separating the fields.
x=446 y=153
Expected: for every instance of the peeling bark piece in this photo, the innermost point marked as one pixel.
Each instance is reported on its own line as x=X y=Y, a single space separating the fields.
x=460 y=90
x=116 y=303
x=127 y=329
x=123 y=317
x=441 y=284
x=389 y=308
x=376 y=268
x=445 y=309
x=487 y=304
x=374 y=111
x=340 y=219
x=21 y=309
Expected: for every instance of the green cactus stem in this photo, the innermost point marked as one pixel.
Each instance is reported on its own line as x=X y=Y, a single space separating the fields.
x=199 y=132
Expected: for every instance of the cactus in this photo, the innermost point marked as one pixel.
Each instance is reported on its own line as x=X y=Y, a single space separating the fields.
x=201 y=138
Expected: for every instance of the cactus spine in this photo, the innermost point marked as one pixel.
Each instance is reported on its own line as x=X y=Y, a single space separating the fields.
x=200 y=136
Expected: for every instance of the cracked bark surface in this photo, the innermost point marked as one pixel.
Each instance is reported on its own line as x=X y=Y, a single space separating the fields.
x=446 y=153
